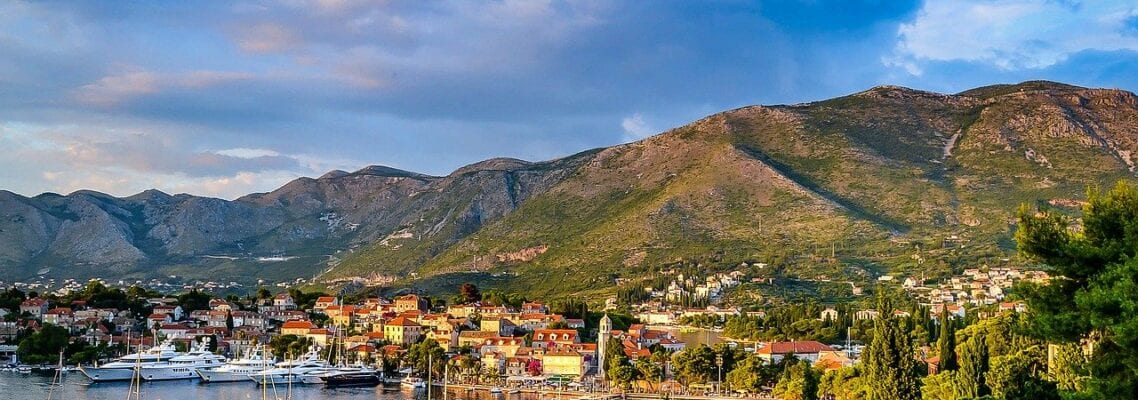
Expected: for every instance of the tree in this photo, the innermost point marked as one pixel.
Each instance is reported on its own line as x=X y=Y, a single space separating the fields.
x=649 y=370
x=286 y=347
x=469 y=293
x=695 y=365
x=941 y=386
x=229 y=321
x=1097 y=269
x=844 y=383
x=890 y=363
x=10 y=299
x=946 y=343
x=194 y=300
x=750 y=375
x=43 y=346
x=1018 y=377
x=427 y=352
x=973 y=365
x=1067 y=368
x=798 y=382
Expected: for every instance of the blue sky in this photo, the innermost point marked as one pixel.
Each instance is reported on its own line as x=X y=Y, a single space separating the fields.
x=227 y=98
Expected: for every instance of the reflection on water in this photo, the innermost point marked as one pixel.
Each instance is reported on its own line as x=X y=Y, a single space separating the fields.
x=15 y=386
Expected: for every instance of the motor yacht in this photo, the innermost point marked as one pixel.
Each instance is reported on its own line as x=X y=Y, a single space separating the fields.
x=255 y=360
x=122 y=368
x=184 y=366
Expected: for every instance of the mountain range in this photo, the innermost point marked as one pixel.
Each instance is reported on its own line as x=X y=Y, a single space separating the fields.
x=888 y=180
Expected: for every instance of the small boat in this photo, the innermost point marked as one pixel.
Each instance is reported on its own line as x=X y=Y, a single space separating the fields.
x=514 y=391
x=358 y=378
x=412 y=382
x=495 y=390
x=24 y=369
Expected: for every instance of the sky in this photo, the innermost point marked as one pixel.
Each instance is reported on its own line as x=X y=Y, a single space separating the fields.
x=227 y=98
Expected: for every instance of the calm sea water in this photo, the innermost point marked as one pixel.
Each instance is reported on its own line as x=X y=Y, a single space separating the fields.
x=17 y=386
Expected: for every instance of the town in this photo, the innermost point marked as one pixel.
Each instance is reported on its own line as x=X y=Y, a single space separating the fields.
x=504 y=340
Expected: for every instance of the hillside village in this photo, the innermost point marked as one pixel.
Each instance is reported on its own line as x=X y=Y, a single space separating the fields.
x=504 y=341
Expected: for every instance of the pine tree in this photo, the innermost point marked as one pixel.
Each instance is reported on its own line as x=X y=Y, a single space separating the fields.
x=946 y=343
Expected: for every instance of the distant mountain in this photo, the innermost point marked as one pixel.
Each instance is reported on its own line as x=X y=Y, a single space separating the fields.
x=886 y=180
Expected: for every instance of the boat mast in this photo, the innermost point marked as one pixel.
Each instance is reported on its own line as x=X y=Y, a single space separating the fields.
x=58 y=378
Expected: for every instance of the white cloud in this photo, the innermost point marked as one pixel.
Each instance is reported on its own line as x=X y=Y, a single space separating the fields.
x=1010 y=35
x=636 y=128
x=241 y=152
x=135 y=82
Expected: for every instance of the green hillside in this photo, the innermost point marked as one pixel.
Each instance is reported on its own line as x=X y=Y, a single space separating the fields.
x=842 y=189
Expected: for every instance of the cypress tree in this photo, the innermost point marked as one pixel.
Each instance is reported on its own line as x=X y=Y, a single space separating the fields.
x=973 y=365
x=946 y=343
x=890 y=365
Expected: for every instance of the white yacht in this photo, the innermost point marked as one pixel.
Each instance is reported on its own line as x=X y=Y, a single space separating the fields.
x=255 y=360
x=122 y=369
x=184 y=366
x=287 y=372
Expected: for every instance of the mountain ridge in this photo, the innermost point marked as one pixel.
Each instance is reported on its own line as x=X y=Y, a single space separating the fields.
x=880 y=166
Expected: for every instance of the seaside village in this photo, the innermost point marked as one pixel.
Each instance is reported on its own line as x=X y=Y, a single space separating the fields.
x=501 y=342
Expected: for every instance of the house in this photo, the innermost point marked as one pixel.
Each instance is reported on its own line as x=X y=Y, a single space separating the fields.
x=829 y=361
x=501 y=326
x=493 y=363
x=410 y=302
x=809 y=350
x=59 y=316
x=174 y=331
x=319 y=336
x=505 y=345
x=474 y=338
x=521 y=365
x=545 y=338
x=284 y=301
x=402 y=331
x=248 y=318
x=534 y=308
x=829 y=314
x=866 y=315
x=1017 y=306
x=175 y=311
x=34 y=306
x=567 y=363
x=575 y=323
x=222 y=305
x=323 y=302
x=462 y=310
x=296 y=327
x=155 y=319
x=672 y=345
x=341 y=315
x=910 y=283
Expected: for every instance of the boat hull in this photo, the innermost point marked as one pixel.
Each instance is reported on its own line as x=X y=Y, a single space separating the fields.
x=210 y=376
x=346 y=380
x=96 y=374
x=169 y=374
